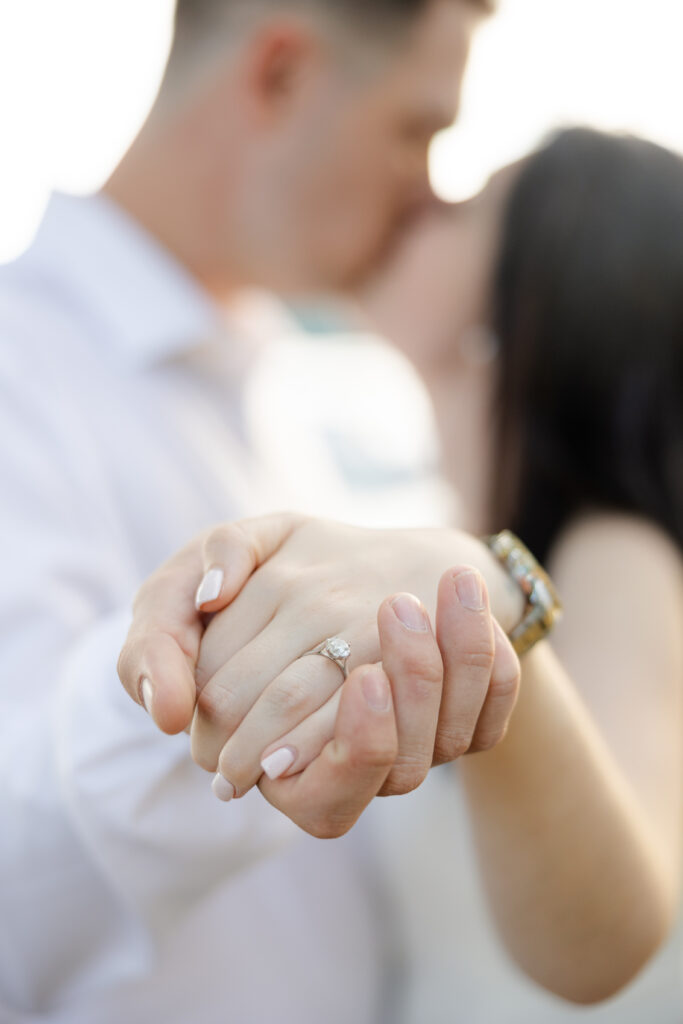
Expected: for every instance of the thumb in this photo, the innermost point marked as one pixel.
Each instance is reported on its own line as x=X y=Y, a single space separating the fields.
x=158 y=661
x=232 y=552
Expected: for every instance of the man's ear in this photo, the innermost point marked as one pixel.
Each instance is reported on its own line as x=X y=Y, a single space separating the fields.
x=282 y=58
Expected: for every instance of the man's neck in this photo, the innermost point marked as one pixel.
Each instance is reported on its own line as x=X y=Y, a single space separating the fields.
x=160 y=183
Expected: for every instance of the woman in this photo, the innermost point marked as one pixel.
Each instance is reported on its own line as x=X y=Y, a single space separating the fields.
x=578 y=838
x=546 y=316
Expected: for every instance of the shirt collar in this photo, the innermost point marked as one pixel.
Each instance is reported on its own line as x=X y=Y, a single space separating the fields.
x=151 y=307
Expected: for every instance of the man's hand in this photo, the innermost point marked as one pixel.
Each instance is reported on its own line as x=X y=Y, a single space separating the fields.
x=392 y=722
x=158 y=662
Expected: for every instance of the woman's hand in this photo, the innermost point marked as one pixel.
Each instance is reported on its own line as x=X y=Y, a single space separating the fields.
x=327 y=579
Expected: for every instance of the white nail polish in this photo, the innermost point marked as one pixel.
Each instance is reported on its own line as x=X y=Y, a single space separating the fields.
x=223 y=789
x=209 y=588
x=275 y=765
x=147 y=694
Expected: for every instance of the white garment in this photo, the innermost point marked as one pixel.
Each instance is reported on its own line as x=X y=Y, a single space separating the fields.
x=133 y=415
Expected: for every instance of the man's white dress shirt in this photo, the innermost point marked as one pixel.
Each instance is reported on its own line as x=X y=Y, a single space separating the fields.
x=132 y=415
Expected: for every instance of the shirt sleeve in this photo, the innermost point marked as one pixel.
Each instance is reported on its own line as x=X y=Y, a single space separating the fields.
x=94 y=802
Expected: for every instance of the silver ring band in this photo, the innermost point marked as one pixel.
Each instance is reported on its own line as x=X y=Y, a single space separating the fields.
x=334 y=649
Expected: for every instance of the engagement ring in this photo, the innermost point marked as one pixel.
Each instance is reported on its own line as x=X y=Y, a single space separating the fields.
x=334 y=649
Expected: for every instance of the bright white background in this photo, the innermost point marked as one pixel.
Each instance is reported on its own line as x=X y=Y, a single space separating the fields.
x=77 y=77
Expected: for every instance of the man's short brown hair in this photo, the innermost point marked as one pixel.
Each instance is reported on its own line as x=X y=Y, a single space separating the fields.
x=196 y=16
x=203 y=26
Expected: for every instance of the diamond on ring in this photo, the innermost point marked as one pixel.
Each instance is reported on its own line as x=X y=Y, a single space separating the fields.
x=334 y=649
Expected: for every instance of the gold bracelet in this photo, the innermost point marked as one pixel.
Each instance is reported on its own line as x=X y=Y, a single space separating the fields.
x=544 y=607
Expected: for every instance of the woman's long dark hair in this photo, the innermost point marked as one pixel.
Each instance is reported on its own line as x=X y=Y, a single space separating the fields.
x=588 y=306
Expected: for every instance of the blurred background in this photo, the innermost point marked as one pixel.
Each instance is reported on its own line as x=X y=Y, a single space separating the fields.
x=77 y=78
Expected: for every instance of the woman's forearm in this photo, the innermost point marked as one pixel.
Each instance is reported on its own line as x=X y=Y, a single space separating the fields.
x=580 y=890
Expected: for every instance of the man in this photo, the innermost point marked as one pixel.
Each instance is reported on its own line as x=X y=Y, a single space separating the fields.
x=287 y=145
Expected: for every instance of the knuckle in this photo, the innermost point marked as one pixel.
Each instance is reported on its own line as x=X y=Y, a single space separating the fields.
x=478 y=659
x=392 y=787
x=429 y=678
x=374 y=758
x=334 y=595
x=404 y=778
x=487 y=740
x=506 y=687
x=219 y=705
x=279 y=580
x=288 y=697
x=375 y=755
x=329 y=600
x=378 y=755
x=425 y=674
x=451 y=746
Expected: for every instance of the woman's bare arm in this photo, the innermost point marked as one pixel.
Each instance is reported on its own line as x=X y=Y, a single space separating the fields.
x=577 y=813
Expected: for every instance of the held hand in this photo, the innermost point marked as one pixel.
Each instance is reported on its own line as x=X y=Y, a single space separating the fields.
x=385 y=726
x=428 y=717
x=325 y=580
x=452 y=694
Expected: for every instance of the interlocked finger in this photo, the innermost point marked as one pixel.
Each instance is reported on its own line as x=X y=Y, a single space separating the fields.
x=297 y=692
x=328 y=797
x=294 y=751
x=412 y=661
x=501 y=697
x=466 y=640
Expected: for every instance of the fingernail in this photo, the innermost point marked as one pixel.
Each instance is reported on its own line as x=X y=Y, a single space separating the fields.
x=275 y=765
x=410 y=612
x=470 y=591
x=223 y=789
x=376 y=690
x=209 y=588
x=146 y=694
